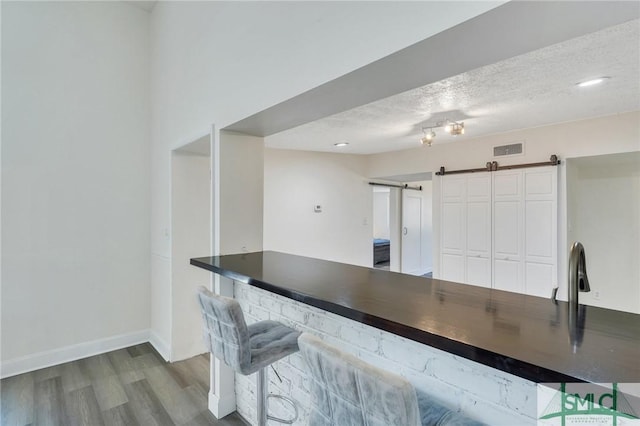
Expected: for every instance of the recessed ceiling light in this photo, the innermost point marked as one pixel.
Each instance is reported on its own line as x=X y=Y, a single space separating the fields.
x=593 y=82
x=340 y=144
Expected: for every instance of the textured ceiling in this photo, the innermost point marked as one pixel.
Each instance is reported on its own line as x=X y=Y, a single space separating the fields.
x=535 y=89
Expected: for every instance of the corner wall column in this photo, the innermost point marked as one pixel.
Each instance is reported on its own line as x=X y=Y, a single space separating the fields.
x=222 y=393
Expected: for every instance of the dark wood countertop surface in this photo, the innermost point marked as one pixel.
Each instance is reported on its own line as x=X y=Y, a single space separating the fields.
x=523 y=335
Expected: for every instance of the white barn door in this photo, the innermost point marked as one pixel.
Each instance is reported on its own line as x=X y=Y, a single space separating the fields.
x=411 y=233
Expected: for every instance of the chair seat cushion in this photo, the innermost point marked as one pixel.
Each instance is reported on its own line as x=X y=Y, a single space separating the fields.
x=270 y=341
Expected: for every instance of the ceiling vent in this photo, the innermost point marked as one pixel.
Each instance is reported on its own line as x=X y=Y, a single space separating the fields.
x=511 y=149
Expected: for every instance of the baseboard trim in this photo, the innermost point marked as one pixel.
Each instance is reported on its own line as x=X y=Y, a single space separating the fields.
x=221 y=407
x=53 y=357
x=160 y=345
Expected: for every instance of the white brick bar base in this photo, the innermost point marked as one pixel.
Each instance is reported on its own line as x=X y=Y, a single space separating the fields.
x=484 y=393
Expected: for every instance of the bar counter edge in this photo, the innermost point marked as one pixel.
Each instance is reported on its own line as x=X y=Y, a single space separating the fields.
x=237 y=268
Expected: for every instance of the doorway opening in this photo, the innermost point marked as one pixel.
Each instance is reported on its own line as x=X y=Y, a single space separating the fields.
x=402 y=225
x=382 y=227
x=603 y=213
x=190 y=237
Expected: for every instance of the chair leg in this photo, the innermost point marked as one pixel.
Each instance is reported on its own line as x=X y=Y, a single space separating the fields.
x=263 y=406
x=262 y=397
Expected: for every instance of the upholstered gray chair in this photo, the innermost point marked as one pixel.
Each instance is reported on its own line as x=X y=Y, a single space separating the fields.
x=346 y=391
x=246 y=349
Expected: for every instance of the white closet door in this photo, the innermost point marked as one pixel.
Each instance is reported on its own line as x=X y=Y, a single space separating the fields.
x=453 y=215
x=452 y=235
x=478 y=227
x=500 y=230
x=508 y=273
x=452 y=268
x=541 y=241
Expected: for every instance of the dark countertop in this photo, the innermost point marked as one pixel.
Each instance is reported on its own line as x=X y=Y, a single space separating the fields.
x=523 y=335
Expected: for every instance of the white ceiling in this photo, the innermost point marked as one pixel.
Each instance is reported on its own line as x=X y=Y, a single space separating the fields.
x=146 y=5
x=200 y=147
x=530 y=90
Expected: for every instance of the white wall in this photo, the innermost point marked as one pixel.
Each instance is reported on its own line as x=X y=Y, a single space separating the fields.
x=75 y=175
x=604 y=215
x=603 y=135
x=241 y=193
x=296 y=181
x=191 y=237
x=219 y=62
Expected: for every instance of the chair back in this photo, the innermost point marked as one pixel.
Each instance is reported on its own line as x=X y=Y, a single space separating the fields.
x=346 y=391
x=225 y=330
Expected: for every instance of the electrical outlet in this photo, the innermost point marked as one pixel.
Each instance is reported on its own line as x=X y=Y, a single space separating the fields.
x=317 y=208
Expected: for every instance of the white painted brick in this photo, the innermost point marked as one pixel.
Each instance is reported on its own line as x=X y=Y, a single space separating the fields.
x=260 y=313
x=294 y=313
x=414 y=346
x=483 y=393
x=322 y=321
x=494 y=415
x=402 y=354
x=360 y=339
x=301 y=396
x=372 y=331
x=240 y=292
x=253 y=295
x=521 y=396
x=297 y=361
x=445 y=394
x=286 y=321
x=311 y=309
x=270 y=304
x=303 y=383
x=450 y=371
x=299 y=378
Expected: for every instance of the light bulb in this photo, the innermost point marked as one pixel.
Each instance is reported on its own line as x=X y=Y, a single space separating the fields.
x=426 y=140
x=592 y=82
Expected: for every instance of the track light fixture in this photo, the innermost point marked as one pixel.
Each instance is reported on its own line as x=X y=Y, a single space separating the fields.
x=454 y=128
x=428 y=137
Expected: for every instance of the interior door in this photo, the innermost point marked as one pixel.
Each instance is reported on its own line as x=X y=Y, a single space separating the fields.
x=411 y=233
x=478 y=247
x=507 y=231
x=541 y=241
x=453 y=229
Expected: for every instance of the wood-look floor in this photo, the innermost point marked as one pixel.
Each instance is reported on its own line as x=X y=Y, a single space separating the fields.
x=132 y=386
